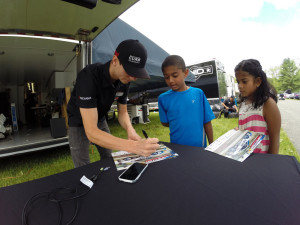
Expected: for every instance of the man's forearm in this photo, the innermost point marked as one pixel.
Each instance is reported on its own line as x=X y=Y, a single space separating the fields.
x=124 y=121
x=107 y=140
x=95 y=135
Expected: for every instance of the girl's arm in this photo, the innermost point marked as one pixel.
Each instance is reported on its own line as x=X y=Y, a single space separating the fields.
x=273 y=119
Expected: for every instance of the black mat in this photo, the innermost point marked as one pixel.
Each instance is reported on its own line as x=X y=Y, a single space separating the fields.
x=198 y=187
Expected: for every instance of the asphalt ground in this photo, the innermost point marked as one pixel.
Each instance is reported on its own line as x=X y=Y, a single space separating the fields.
x=290 y=120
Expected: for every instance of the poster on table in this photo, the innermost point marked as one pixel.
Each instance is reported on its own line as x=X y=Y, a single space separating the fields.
x=236 y=144
x=123 y=159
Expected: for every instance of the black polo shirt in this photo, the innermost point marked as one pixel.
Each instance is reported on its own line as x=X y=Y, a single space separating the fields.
x=94 y=89
x=229 y=103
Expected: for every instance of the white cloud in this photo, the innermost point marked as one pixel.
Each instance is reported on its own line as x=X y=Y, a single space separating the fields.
x=201 y=30
x=283 y=4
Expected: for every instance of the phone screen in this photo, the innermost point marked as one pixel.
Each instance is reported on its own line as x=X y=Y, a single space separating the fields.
x=133 y=171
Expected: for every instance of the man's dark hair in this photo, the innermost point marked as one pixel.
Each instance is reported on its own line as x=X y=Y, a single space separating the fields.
x=174 y=60
x=265 y=90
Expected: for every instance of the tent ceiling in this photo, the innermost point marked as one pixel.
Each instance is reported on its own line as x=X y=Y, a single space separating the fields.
x=58 y=18
x=23 y=59
x=27 y=60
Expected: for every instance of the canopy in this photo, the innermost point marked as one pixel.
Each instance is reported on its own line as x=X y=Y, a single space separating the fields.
x=54 y=18
x=107 y=41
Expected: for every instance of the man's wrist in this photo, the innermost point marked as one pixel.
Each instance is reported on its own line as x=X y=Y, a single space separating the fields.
x=131 y=131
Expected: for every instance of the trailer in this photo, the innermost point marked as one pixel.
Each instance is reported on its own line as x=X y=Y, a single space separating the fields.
x=40 y=59
x=213 y=80
x=43 y=45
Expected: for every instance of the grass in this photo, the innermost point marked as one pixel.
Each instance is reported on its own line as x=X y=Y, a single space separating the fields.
x=22 y=168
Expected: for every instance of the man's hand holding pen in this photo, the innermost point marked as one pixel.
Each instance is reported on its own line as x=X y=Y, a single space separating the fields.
x=145 y=134
x=147 y=146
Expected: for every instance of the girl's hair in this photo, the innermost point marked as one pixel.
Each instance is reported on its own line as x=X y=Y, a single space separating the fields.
x=174 y=60
x=265 y=90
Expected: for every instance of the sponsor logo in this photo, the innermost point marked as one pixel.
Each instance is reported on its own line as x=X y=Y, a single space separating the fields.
x=85 y=98
x=134 y=59
x=119 y=94
x=199 y=71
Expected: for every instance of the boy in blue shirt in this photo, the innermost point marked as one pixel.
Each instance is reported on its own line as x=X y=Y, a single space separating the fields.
x=185 y=110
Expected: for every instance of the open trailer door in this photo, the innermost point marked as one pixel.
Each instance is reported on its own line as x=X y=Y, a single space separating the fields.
x=33 y=63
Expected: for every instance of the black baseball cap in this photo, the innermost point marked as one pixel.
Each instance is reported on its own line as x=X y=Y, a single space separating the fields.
x=133 y=56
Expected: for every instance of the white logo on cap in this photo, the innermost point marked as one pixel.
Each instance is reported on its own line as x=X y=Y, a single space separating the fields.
x=134 y=59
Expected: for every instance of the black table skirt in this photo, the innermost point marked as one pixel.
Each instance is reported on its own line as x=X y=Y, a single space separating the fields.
x=198 y=187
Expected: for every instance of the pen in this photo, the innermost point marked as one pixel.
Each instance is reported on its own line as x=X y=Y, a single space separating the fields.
x=145 y=134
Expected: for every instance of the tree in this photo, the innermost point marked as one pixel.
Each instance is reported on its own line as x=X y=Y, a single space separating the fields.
x=222 y=85
x=289 y=75
x=273 y=75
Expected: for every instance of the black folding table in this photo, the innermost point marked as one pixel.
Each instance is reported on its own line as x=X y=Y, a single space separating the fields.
x=197 y=187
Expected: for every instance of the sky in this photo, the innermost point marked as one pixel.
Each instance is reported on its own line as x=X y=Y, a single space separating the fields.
x=228 y=31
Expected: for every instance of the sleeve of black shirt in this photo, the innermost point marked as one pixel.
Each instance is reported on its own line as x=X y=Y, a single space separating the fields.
x=86 y=90
x=123 y=98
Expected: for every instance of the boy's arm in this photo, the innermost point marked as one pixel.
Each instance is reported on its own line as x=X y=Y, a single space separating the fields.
x=209 y=132
x=162 y=113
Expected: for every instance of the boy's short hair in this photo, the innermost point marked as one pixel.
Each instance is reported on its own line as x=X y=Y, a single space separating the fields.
x=174 y=60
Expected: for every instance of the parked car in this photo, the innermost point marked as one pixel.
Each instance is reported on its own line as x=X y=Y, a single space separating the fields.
x=281 y=97
x=287 y=93
x=153 y=106
x=297 y=95
x=289 y=96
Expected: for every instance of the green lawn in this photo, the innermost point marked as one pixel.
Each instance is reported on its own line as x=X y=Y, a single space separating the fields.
x=18 y=169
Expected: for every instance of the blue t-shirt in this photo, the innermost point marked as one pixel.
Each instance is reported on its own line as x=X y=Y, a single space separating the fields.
x=186 y=112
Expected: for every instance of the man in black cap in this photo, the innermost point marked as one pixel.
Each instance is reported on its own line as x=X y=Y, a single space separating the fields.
x=97 y=87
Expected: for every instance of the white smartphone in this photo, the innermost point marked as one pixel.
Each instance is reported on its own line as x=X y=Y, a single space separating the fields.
x=133 y=173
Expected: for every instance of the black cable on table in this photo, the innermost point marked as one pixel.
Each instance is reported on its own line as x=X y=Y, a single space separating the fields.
x=50 y=196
